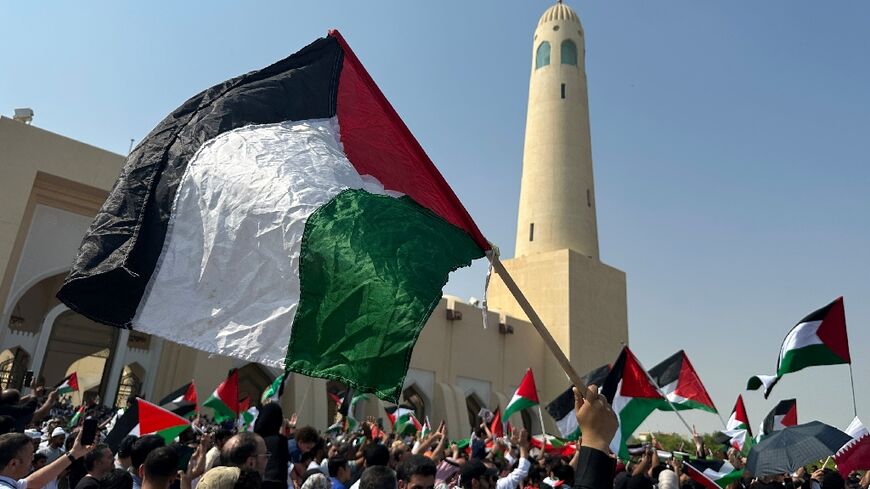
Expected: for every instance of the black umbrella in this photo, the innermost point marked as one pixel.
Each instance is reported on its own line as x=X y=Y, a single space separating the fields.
x=784 y=451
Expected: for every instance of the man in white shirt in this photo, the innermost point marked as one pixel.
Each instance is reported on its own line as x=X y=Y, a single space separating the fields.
x=16 y=454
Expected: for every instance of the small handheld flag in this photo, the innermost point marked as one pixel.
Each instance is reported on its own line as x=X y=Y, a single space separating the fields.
x=68 y=385
x=783 y=415
x=681 y=384
x=225 y=398
x=181 y=401
x=525 y=397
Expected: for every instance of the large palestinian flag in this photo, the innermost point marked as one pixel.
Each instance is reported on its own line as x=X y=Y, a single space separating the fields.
x=182 y=401
x=287 y=217
x=737 y=428
x=68 y=385
x=144 y=418
x=679 y=382
x=712 y=474
x=818 y=339
x=783 y=415
x=525 y=397
x=632 y=396
x=561 y=409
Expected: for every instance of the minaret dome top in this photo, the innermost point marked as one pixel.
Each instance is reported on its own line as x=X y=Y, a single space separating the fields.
x=557 y=12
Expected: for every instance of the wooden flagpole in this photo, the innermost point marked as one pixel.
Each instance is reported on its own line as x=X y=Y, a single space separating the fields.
x=536 y=322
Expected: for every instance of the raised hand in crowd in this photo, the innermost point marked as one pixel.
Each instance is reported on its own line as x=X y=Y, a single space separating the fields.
x=196 y=465
x=596 y=417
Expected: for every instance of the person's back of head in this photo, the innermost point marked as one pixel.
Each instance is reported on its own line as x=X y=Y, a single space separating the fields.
x=335 y=465
x=416 y=468
x=832 y=479
x=159 y=469
x=7 y=424
x=564 y=473
x=221 y=436
x=10 y=396
x=376 y=455
x=378 y=477
x=239 y=448
x=471 y=473
x=269 y=420
x=116 y=479
x=142 y=447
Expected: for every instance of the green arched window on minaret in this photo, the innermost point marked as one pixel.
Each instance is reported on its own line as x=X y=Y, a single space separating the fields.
x=542 y=55
x=568 y=53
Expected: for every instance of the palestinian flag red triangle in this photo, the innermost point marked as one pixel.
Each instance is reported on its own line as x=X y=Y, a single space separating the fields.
x=633 y=397
x=681 y=384
x=144 y=418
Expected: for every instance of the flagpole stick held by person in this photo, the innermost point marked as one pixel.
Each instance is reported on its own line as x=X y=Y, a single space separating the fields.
x=852 y=382
x=521 y=299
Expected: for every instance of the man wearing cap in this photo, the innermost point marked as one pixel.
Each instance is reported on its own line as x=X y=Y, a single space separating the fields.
x=35 y=437
x=54 y=449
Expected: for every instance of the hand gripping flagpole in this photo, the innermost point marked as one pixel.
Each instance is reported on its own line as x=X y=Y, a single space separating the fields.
x=502 y=272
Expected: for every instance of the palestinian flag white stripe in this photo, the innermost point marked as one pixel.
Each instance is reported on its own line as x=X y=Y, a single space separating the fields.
x=218 y=235
x=286 y=217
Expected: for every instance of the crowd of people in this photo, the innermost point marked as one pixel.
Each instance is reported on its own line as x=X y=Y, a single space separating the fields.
x=41 y=448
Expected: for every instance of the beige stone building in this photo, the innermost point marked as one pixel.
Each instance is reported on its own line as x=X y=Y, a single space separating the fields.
x=52 y=186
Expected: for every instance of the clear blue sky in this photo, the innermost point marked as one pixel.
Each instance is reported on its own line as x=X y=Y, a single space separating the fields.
x=730 y=141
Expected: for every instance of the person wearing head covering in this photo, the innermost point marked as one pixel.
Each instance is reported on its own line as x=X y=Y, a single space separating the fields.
x=54 y=448
x=268 y=425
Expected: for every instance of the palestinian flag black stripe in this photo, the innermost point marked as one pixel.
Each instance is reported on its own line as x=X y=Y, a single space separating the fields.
x=287 y=217
x=181 y=401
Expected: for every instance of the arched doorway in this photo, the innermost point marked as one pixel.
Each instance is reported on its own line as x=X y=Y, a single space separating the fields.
x=473 y=405
x=79 y=345
x=13 y=366
x=253 y=380
x=130 y=384
x=413 y=396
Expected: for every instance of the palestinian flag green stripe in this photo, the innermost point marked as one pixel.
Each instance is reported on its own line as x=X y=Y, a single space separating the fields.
x=360 y=252
x=517 y=405
x=808 y=356
x=688 y=404
x=222 y=412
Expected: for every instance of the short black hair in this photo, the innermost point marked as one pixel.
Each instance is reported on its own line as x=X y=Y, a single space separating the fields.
x=377 y=477
x=244 y=448
x=91 y=457
x=376 y=455
x=144 y=446
x=116 y=479
x=7 y=424
x=415 y=465
x=565 y=473
x=10 y=446
x=39 y=456
x=334 y=464
x=473 y=469
x=125 y=448
x=307 y=434
x=160 y=465
x=222 y=435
